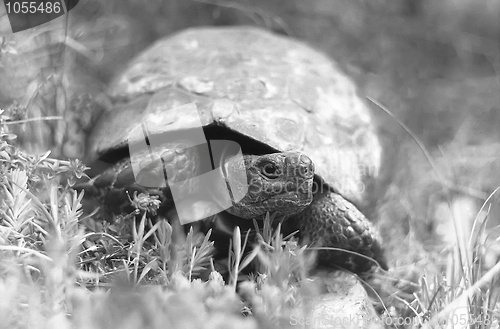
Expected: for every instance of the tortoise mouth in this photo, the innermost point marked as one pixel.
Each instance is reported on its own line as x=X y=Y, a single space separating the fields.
x=290 y=198
x=283 y=204
x=286 y=203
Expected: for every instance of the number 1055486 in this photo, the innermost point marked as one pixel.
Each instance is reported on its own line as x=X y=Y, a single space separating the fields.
x=33 y=7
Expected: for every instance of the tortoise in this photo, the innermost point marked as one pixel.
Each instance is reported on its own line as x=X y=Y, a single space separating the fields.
x=303 y=137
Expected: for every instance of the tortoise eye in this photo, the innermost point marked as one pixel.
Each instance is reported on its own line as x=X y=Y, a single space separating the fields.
x=270 y=170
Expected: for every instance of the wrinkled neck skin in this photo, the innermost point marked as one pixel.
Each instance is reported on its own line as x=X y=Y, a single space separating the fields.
x=278 y=183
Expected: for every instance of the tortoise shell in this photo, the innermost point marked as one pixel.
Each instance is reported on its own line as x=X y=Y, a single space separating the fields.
x=274 y=90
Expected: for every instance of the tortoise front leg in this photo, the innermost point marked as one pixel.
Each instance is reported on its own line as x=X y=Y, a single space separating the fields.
x=332 y=221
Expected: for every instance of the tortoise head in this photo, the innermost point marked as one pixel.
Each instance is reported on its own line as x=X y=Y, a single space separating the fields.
x=277 y=182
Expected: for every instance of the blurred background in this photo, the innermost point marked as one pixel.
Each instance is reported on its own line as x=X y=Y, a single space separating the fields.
x=433 y=65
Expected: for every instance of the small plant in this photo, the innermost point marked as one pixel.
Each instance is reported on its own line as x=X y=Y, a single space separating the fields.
x=468 y=294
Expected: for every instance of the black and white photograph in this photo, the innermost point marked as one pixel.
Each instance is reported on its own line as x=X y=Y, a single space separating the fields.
x=257 y=164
